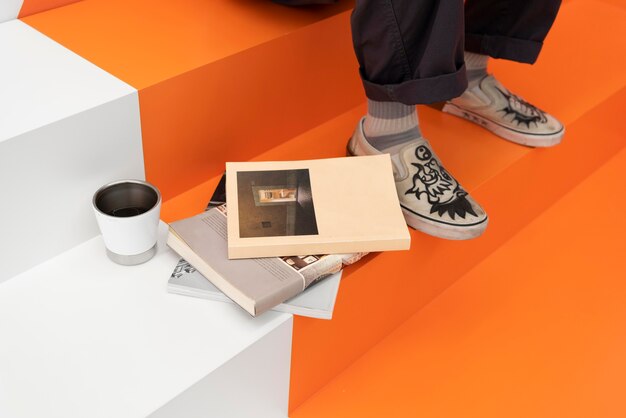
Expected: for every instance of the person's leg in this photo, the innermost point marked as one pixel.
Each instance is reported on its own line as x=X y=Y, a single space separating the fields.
x=303 y=2
x=411 y=52
x=406 y=57
x=475 y=68
x=509 y=29
x=513 y=30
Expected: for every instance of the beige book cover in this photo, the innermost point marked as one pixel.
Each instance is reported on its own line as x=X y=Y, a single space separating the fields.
x=327 y=206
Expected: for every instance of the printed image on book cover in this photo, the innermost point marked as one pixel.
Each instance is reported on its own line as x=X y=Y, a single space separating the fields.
x=281 y=199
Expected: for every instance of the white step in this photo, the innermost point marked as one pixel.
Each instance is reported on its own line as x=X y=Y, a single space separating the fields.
x=84 y=337
x=66 y=128
x=9 y=9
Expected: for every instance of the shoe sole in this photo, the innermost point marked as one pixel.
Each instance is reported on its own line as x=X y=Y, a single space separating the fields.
x=529 y=140
x=437 y=229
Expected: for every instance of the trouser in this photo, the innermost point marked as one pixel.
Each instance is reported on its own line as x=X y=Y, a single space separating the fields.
x=411 y=51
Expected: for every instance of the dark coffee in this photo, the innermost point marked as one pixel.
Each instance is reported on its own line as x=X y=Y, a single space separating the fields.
x=128 y=212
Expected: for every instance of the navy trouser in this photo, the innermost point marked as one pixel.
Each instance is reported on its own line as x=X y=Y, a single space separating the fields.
x=411 y=51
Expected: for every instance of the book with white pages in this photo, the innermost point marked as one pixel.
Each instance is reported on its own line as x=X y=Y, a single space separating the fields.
x=294 y=284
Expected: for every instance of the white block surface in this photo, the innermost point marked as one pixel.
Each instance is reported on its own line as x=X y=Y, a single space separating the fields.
x=43 y=82
x=84 y=337
x=9 y=9
x=66 y=128
x=253 y=384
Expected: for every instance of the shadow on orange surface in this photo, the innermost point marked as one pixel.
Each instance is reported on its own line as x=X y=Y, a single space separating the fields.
x=30 y=7
x=144 y=42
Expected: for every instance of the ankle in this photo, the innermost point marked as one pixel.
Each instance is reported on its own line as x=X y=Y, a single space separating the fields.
x=389 y=125
x=389 y=118
x=475 y=68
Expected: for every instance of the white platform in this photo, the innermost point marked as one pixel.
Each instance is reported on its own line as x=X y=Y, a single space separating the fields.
x=66 y=128
x=10 y=9
x=83 y=337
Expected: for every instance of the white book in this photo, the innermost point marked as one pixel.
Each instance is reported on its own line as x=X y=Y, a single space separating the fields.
x=318 y=301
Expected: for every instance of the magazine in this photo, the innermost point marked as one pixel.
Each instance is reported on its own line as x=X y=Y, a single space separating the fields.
x=317 y=301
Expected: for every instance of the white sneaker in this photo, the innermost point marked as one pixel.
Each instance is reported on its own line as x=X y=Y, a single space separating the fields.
x=432 y=200
x=492 y=106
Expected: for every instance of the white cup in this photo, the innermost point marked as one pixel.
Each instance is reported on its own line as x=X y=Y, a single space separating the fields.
x=127 y=212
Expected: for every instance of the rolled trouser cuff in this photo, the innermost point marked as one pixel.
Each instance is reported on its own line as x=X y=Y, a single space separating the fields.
x=419 y=91
x=303 y=2
x=520 y=50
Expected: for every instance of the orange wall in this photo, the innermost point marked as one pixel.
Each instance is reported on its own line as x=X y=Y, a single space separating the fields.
x=35 y=6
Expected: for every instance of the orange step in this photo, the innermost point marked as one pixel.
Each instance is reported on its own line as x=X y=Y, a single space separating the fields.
x=218 y=80
x=515 y=184
x=387 y=288
x=535 y=330
x=30 y=7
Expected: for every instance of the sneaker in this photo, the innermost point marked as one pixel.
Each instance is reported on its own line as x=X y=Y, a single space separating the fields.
x=492 y=106
x=432 y=200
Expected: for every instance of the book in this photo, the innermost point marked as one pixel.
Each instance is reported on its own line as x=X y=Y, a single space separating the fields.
x=255 y=284
x=318 y=301
x=327 y=206
x=315 y=301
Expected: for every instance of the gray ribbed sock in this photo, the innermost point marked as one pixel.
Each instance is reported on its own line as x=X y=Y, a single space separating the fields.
x=475 y=68
x=390 y=124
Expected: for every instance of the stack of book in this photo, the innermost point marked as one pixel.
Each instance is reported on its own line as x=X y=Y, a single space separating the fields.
x=250 y=251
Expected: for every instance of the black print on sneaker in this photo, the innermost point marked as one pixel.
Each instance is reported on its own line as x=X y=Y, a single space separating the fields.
x=475 y=118
x=442 y=190
x=522 y=111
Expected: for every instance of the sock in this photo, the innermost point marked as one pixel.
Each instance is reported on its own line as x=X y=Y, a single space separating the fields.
x=390 y=125
x=475 y=68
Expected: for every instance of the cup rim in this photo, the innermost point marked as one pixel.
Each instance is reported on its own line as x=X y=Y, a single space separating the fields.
x=124 y=181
